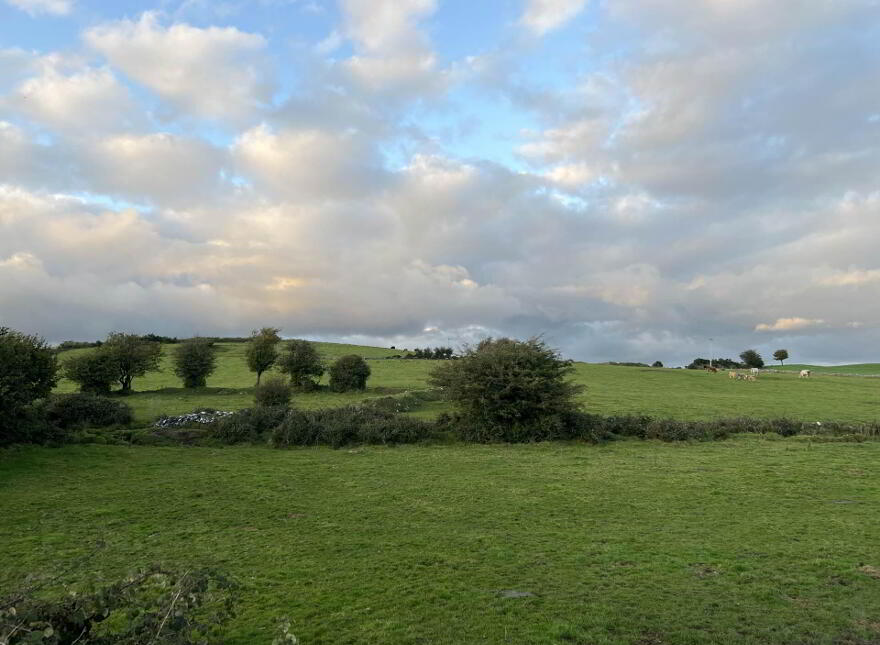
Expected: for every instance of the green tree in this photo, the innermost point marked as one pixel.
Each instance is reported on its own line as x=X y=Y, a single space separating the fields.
x=131 y=356
x=195 y=360
x=273 y=392
x=508 y=388
x=780 y=355
x=262 y=351
x=751 y=358
x=349 y=373
x=28 y=371
x=94 y=371
x=303 y=363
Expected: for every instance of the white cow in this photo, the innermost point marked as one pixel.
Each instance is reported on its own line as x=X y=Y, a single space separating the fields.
x=755 y=370
x=805 y=374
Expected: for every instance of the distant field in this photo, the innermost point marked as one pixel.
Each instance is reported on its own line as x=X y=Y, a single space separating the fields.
x=750 y=541
x=858 y=369
x=684 y=394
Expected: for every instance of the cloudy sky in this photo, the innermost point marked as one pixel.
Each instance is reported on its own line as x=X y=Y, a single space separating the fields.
x=629 y=178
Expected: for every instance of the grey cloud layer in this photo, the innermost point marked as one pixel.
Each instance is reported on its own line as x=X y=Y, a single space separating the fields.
x=718 y=181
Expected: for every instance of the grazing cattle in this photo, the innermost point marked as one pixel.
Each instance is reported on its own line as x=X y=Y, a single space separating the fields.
x=731 y=375
x=712 y=369
x=751 y=377
x=805 y=374
x=755 y=370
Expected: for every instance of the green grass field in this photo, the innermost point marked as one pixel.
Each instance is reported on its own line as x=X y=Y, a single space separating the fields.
x=745 y=541
x=856 y=369
x=684 y=394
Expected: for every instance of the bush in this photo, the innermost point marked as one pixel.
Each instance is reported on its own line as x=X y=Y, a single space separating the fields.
x=509 y=390
x=303 y=364
x=194 y=360
x=348 y=425
x=349 y=373
x=197 y=602
x=28 y=372
x=249 y=425
x=73 y=411
x=93 y=371
x=274 y=392
x=657 y=364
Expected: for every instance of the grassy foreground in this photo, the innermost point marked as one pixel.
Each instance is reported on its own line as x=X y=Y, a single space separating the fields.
x=744 y=541
x=681 y=394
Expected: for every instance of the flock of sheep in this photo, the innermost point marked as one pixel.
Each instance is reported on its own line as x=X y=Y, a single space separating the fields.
x=753 y=374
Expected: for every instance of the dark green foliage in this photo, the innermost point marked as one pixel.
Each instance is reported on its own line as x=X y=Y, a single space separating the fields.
x=509 y=390
x=94 y=371
x=349 y=373
x=303 y=363
x=77 y=344
x=152 y=606
x=720 y=363
x=780 y=355
x=194 y=360
x=28 y=371
x=262 y=351
x=437 y=353
x=250 y=424
x=72 y=411
x=356 y=424
x=131 y=356
x=751 y=358
x=274 y=392
x=656 y=364
x=627 y=364
x=156 y=338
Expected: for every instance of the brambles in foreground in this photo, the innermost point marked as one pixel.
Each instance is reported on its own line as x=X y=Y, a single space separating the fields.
x=509 y=390
x=349 y=373
x=752 y=358
x=780 y=355
x=28 y=371
x=262 y=350
x=194 y=361
x=303 y=363
x=274 y=392
x=155 y=605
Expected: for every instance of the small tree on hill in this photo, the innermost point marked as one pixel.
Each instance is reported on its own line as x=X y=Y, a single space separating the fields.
x=507 y=389
x=780 y=355
x=349 y=373
x=262 y=351
x=751 y=358
x=194 y=360
x=303 y=363
x=131 y=356
x=28 y=371
x=656 y=364
x=94 y=371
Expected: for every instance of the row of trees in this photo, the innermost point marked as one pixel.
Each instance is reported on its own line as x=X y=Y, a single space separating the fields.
x=437 y=353
x=748 y=358
x=123 y=357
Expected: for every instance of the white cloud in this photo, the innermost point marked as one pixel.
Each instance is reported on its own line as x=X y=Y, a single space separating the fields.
x=853 y=277
x=542 y=16
x=790 y=324
x=216 y=73
x=36 y=7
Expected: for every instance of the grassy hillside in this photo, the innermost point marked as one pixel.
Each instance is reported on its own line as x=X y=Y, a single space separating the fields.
x=748 y=541
x=685 y=394
x=856 y=369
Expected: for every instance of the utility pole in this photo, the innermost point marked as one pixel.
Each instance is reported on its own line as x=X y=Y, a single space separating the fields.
x=711 y=351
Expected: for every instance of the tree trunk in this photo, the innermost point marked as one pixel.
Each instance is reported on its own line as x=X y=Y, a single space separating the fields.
x=259 y=374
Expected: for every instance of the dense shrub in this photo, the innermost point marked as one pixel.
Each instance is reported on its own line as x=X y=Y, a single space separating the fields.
x=249 y=425
x=262 y=351
x=274 y=392
x=152 y=606
x=28 y=372
x=751 y=358
x=77 y=344
x=721 y=363
x=509 y=390
x=303 y=363
x=348 y=425
x=349 y=373
x=194 y=361
x=131 y=356
x=70 y=411
x=657 y=364
x=93 y=371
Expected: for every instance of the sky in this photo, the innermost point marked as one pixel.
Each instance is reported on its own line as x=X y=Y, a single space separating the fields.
x=634 y=180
